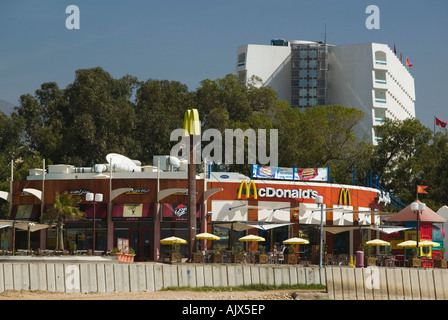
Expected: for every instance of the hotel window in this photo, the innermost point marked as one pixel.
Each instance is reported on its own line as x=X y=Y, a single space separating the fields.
x=380 y=58
x=241 y=59
x=380 y=96
x=303 y=102
x=313 y=54
x=380 y=76
x=303 y=74
x=303 y=92
x=312 y=102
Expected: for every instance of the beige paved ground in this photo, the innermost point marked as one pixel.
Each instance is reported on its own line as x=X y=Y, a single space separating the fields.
x=168 y=295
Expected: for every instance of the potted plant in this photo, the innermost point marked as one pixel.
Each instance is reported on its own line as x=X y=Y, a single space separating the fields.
x=237 y=254
x=261 y=257
x=217 y=256
x=175 y=255
x=117 y=253
x=291 y=258
x=198 y=257
x=370 y=259
x=130 y=255
x=414 y=261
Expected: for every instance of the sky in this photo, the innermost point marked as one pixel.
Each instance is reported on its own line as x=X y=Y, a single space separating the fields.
x=189 y=41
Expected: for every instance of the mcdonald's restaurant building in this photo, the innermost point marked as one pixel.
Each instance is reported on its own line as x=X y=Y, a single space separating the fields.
x=146 y=206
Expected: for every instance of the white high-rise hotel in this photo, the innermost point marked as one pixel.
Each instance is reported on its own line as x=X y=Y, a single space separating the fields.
x=366 y=76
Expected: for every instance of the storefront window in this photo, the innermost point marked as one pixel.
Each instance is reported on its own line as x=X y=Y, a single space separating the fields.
x=4 y=234
x=177 y=229
x=78 y=236
x=341 y=243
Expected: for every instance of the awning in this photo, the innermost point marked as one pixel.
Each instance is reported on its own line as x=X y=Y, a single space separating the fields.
x=246 y=225
x=178 y=211
x=385 y=229
x=32 y=225
x=406 y=214
x=391 y=229
x=100 y=211
x=336 y=230
x=133 y=212
x=23 y=225
x=25 y=211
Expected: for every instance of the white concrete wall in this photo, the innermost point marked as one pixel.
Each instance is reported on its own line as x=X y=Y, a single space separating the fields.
x=351 y=81
x=139 y=277
x=343 y=283
x=271 y=64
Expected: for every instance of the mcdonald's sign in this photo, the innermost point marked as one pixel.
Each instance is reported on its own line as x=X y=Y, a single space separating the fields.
x=192 y=125
x=248 y=188
x=344 y=197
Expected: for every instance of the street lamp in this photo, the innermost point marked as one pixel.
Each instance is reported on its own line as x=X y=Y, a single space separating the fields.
x=418 y=208
x=30 y=225
x=319 y=200
x=97 y=197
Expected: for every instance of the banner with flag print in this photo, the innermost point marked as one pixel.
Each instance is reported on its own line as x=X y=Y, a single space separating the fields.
x=421 y=189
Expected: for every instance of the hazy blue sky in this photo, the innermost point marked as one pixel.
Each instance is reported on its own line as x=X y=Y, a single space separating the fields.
x=189 y=41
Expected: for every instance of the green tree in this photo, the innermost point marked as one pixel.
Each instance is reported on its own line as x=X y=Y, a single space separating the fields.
x=160 y=108
x=82 y=123
x=399 y=156
x=65 y=207
x=433 y=171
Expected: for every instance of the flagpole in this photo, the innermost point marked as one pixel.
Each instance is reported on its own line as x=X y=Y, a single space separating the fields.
x=434 y=124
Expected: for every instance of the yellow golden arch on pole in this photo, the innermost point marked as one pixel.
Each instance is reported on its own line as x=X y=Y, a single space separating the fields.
x=247 y=186
x=192 y=125
x=344 y=197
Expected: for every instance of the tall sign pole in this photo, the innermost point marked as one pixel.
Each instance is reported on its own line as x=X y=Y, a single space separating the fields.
x=192 y=130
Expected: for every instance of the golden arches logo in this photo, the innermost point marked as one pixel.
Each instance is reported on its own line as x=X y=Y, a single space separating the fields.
x=192 y=125
x=247 y=186
x=344 y=197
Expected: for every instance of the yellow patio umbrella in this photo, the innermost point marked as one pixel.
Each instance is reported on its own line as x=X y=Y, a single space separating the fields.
x=252 y=237
x=408 y=244
x=422 y=243
x=207 y=236
x=173 y=240
x=377 y=242
x=296 y=240
x=428 y=243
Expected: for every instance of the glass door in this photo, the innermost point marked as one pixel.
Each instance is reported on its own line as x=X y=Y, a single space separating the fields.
x=140 y=241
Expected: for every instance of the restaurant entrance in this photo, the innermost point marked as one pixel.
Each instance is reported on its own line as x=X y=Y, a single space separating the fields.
x=140 y=241
x=139 y=236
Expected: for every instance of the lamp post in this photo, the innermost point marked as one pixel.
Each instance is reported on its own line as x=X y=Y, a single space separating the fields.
x=97 y=197
x=418 y=208
x=319 y=200
x=30 y=225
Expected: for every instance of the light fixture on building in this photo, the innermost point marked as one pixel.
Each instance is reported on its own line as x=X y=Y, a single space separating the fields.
x=97 y=197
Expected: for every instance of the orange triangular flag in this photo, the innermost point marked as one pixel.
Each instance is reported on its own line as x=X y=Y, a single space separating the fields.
x=421 y=189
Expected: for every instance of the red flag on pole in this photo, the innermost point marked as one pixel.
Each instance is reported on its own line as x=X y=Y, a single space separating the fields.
x=440 y=123
x=395 y=50
x=408 y=63
x=421 y=189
